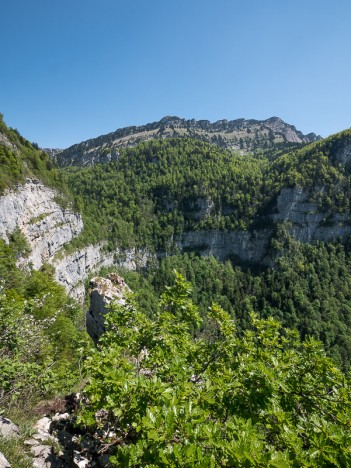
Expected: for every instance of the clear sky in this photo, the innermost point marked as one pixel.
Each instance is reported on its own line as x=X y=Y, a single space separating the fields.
x=75 y=69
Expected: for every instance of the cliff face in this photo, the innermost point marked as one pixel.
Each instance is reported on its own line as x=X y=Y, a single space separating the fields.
x=48 y=227
x=248 y=247
x=242 y=135
x=307 y=224
x=74 y=269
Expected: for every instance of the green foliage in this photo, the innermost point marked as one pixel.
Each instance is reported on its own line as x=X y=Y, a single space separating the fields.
x=153 y=191
x=174 y=397
x=40 y=331
x=156 y=190
x=26 y=354
x=309 y=289
x=19 y=244
x=20 y=159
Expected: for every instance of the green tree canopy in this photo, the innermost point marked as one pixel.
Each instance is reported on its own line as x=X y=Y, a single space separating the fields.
x=174 y=397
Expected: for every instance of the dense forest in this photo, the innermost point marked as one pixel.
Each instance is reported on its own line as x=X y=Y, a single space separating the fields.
x=159 y=189
x=308 y=290
x=208 y=363
x=179 y=397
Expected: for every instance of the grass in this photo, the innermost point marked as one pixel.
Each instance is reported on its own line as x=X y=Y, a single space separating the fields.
x=15 y=452
x=13 y=448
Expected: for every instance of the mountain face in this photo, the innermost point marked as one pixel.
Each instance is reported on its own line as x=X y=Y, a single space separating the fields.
x=239 y=135
x=164 y=194
x=34 y=203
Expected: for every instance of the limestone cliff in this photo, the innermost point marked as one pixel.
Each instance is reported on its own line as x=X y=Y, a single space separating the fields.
x=307 y=224
x=47 y=227
x=74 y=269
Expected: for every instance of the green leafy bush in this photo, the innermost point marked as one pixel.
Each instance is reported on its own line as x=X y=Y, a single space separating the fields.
x=169 y=396
x=40 y=331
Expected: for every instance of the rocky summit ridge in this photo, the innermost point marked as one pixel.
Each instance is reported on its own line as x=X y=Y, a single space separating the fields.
x=238 y=135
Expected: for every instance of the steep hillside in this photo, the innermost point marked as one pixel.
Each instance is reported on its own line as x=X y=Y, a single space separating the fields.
x=192 y=195
x=36 y=204
x=21 y=159
x=241 y=135
x=174 y=376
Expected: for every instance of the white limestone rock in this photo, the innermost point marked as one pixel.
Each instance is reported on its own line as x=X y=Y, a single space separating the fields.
x=3 y=462
x=8 y=428
x=104 y=291
x=46 y=225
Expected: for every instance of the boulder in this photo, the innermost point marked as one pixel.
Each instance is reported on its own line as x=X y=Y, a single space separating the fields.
x=7 y=428
x=3 y=462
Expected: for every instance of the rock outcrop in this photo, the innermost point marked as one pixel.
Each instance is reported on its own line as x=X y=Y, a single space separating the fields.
x=3 y=462
x=8 y=428
x=343 y=155
x=307 y=224
x=245 y=246
x=57 y=442
x=74 y=269
x=46 y=225
x=104 y=291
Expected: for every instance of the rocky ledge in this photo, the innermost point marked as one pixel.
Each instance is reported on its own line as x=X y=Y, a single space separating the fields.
x=47 y=226
x=57 y=443
x=104 y=291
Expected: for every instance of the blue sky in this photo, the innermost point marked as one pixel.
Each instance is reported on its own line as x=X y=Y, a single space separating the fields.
x=75 y=69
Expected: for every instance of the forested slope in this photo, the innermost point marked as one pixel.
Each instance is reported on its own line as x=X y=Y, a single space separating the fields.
x=185 y=370
x=161 y=189
x=20 y=159
x=268 y=136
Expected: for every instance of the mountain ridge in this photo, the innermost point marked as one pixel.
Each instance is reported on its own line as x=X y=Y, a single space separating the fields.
x=243 y=135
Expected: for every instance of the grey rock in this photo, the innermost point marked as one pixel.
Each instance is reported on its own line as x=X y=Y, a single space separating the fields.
x=7 y=428
x=46 y=458
x=104 y=291
x=308 y=224
x=72 y=270
x=43 y=436
x=31 y=442
x=43 y=425
x=60 y=417
x=42 y=451
x=45 y=224
x=344 y=154
x=3 y=462
x=79 y=460
x=249 y=247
